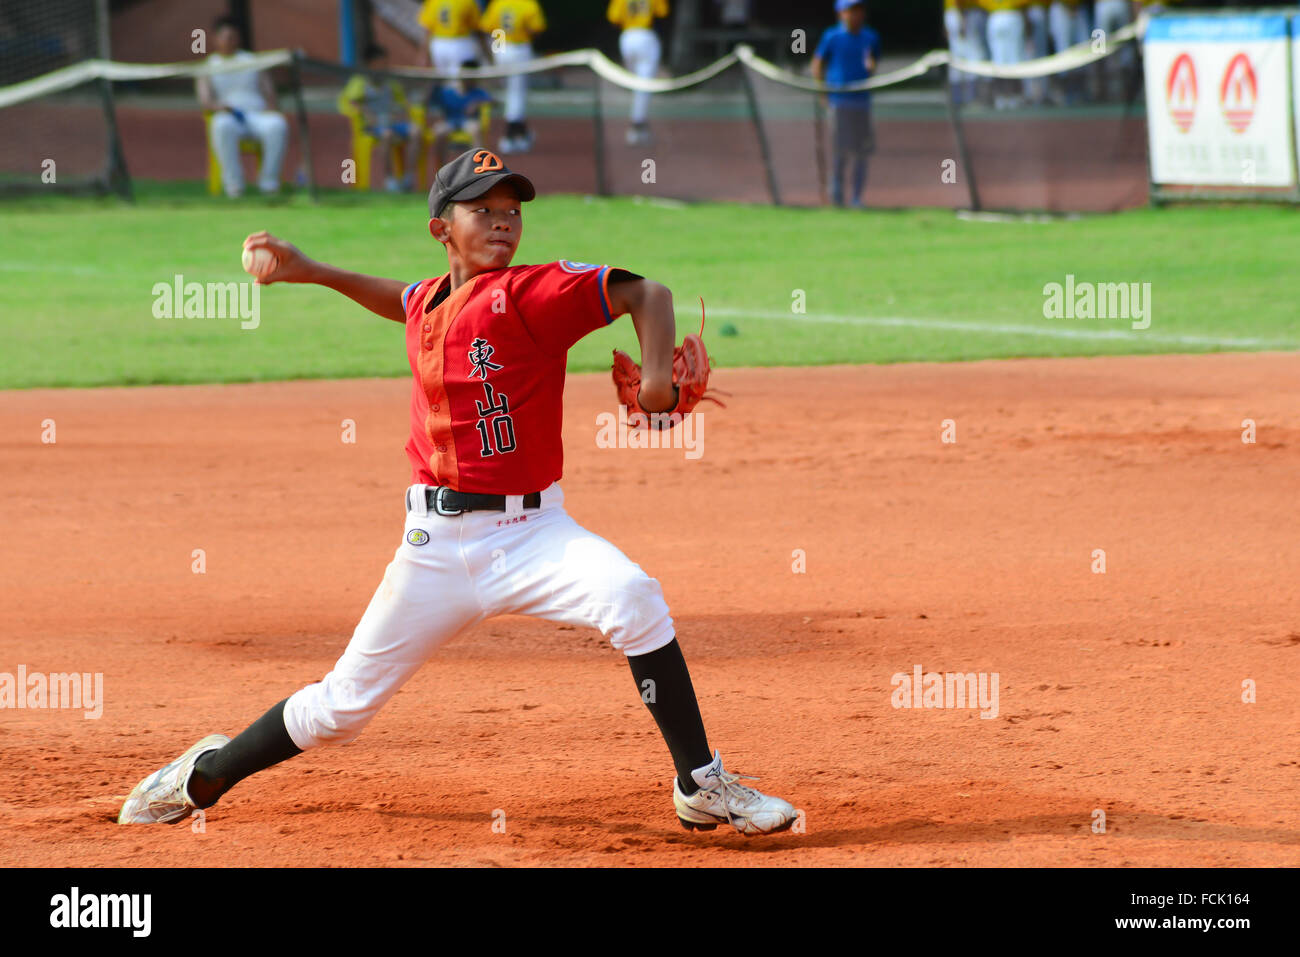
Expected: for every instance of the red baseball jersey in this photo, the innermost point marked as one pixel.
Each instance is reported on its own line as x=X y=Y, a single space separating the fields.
x=489 y=361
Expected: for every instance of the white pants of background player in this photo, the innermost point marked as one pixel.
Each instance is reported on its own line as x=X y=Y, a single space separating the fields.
x=953 y=25
x=639 y=47
x=536 y=562
x=976 y=35
x=1036 y=48
x=1110 y=16
x=448 y=53
x=517 y=85
x=1006 y=42
x=1068 y=25
x=266 y=127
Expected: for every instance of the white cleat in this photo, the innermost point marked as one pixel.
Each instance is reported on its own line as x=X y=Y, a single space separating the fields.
x=162 y=796
x=720 y=800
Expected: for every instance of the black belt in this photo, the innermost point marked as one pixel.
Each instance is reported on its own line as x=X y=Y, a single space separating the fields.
x=446 y=501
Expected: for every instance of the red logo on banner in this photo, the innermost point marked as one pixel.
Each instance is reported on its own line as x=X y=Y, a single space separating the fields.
x=1239 y=93
x=1180 y=92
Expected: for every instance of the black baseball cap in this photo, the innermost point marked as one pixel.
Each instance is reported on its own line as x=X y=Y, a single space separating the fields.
x=472 y=174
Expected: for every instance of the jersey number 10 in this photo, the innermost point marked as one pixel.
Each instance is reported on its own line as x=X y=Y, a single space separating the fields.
x=502 y=428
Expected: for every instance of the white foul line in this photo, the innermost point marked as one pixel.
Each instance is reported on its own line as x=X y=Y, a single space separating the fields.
x=1003 y=329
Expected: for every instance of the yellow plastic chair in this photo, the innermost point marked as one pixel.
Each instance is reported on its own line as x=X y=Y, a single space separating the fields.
x=363 y=144
x=425 y=131
x=247 y=144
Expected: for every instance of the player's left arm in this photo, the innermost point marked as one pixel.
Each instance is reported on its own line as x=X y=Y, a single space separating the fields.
x=650 y=304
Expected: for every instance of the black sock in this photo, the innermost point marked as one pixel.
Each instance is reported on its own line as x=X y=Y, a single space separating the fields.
x=671 y=700
x=263 y=743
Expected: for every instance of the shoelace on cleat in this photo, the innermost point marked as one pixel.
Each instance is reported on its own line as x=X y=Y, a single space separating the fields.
x=727 y=786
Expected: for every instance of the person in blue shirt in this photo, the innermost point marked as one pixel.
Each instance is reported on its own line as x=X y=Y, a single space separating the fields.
x=847 y=54
x=458 y=102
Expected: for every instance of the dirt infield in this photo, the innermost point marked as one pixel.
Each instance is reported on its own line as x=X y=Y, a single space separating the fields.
x=1119 y=691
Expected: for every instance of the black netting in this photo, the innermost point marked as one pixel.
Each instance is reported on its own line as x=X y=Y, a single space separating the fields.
x=38 y=36
x=912 y=140
x=1069 y=142
x=55 y=141
x=1074 y=141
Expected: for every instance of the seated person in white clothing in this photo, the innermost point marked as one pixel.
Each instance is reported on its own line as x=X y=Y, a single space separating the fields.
x=241 y=106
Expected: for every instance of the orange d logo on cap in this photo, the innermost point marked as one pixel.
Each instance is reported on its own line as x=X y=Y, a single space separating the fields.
x=470 y=175
x=487 y=161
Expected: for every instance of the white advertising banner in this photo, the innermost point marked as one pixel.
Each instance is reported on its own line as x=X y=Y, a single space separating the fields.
x=1219 y=104
x=1295 y=78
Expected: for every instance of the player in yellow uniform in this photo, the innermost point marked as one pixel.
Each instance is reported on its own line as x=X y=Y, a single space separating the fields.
x=451 y=33
x=638 y=44
x=1006 y=43
x=975 y=28
x=1036 y=48
x=1069 y=23
x=1111 y=15
x=511 y=26
x=954 y=25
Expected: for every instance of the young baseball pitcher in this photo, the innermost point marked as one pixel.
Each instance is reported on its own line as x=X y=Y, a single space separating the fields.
x=487 y=345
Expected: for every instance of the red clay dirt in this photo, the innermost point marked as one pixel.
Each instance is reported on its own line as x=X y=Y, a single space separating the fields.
x=1119 y=691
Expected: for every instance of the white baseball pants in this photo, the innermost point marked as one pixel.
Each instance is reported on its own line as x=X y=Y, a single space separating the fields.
x=450 y=573
x=1110 y=16
x=977 y=26
x=268 y=128
x=1006 y=37
x=640 y=50
x=952 y=24
x=1068 y=25
x=516 y=86
x=448 y=53
x=1036 y=48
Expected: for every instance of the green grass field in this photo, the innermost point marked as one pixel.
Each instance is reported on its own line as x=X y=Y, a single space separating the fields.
x=77 y=278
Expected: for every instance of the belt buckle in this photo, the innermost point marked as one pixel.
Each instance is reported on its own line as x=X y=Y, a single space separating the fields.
x=438 y=507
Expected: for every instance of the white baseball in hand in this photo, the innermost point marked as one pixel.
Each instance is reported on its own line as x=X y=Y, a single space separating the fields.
x=260 y=262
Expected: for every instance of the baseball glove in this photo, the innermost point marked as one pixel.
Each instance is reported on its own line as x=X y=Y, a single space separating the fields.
x=691 y=367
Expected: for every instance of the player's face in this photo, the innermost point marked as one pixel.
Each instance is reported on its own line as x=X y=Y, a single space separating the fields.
x=227 y=40
x=854 y=17
x=483 y=232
